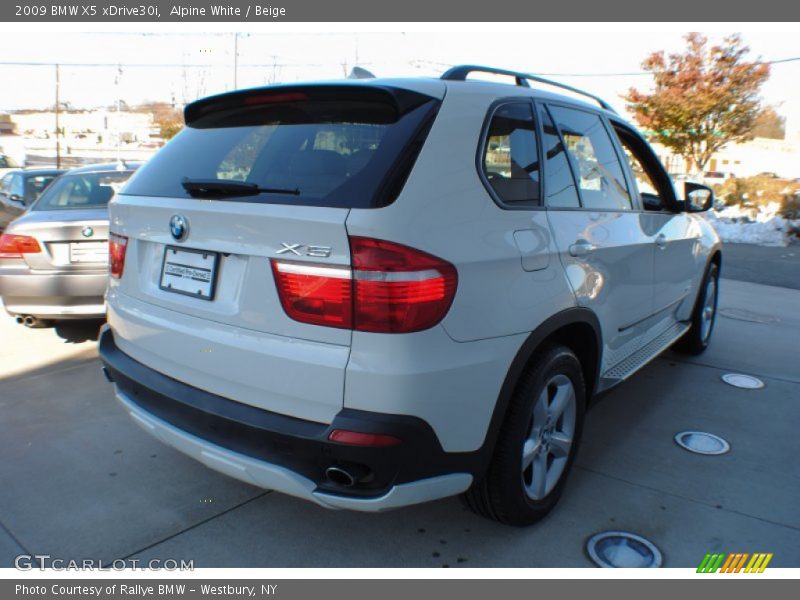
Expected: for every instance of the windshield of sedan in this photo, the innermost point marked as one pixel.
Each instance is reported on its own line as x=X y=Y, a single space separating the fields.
x=82 y=190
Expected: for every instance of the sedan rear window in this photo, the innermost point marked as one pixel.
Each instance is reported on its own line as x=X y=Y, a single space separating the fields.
x=82 y=190
x=339 y=146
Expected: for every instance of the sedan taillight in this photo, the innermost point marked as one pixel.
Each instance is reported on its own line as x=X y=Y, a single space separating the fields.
x=117 y=246
x=14 y=246
x=388 y=288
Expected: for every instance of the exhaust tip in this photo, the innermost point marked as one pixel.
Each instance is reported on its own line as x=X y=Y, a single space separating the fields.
x=107 y=374
x=29 y=321
x=340 y=476
x=19 y=319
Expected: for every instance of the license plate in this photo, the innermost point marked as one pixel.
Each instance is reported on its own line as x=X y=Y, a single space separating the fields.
x=88 y=252
x=189 y=272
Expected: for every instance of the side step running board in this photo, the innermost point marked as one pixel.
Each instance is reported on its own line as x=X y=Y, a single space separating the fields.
x=629 y=365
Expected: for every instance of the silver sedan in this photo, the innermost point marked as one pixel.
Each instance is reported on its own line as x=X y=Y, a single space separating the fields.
x=54 y=258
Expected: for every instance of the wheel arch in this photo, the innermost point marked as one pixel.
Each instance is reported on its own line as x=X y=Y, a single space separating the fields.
x=578 y=329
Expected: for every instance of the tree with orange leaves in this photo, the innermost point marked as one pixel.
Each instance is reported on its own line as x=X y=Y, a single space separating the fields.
x=702 y=99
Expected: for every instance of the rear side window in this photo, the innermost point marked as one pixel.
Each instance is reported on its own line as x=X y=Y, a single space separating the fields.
x=35 y=185
x=16 y=187
x=511 y=156
x=82 y=190
x=320 y=146
x=559 y=184
x=599 y=173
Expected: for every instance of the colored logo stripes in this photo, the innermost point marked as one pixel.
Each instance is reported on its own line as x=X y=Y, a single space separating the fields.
x=735 y=562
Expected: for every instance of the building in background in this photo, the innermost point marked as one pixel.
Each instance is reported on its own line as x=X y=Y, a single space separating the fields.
x=760 y=155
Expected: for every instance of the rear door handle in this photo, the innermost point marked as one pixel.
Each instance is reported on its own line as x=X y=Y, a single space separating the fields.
x=580 y=248
x=661 y=240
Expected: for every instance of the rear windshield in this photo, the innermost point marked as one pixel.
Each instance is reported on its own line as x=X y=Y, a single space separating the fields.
x=343 y=147
x=82 y=190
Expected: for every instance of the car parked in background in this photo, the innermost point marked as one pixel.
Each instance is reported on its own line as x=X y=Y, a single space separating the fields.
x=715 y=177
x=54 y=258
x=19 y=189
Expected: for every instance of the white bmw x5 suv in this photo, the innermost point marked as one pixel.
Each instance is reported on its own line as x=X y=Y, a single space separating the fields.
x=375 y=293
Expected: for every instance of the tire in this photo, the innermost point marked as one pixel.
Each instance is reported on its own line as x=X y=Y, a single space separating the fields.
x=508 y=493
x=695 y=341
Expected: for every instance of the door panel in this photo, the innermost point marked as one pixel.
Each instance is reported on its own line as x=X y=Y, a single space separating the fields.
x=606 y=247
x=612 y=274
x=676 y=235
x=676 y=248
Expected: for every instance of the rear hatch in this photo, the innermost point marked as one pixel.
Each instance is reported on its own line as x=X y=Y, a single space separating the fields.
x=259 y=175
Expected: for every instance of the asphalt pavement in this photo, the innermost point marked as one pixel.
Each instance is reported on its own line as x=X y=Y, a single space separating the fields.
x=78 y=479
x=770 y=265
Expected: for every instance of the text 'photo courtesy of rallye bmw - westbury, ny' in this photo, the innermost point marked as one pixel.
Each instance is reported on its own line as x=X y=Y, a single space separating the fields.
x=67 y=591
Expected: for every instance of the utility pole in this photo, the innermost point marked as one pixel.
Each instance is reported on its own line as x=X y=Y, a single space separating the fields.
x=119 y=119
x=235 y=59
x=58 y=125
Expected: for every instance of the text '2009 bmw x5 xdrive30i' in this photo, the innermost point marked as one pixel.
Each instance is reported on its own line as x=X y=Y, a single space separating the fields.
x=381 y=292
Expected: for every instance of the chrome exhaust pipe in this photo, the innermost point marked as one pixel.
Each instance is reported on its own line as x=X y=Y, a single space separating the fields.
x=340 y=476
x=33 y=322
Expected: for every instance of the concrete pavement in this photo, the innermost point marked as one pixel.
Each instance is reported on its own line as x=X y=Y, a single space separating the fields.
x=79 y=479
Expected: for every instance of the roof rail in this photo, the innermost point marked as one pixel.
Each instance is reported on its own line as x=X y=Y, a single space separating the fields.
x=460 y=72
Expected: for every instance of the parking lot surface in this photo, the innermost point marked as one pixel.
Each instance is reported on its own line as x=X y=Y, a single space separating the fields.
x=78 y=479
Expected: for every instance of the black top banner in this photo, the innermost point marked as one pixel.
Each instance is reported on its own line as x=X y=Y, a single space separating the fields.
x=393 y=11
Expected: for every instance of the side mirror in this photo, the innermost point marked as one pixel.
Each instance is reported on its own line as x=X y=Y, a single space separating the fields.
x=699 y=198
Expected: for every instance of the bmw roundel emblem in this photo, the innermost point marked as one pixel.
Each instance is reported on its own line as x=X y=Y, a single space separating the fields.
x=179 y=227
x=87 y=232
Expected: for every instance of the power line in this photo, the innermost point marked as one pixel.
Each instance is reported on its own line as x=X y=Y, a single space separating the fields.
x=155 y=65
x=420 y=63
x=416 y=63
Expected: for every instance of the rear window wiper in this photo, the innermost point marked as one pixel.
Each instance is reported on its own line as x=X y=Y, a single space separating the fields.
x=221 y=188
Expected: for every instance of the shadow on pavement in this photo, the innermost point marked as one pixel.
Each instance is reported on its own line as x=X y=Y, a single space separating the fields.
x=77 y=332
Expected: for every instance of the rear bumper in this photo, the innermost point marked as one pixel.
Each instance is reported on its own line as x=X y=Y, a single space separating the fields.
x=284 y=453
x=53 y=295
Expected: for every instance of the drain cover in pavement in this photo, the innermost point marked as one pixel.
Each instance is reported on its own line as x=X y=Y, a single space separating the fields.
x=620 y=549
x=740 y=314
x=747 y=382
x=701 y=442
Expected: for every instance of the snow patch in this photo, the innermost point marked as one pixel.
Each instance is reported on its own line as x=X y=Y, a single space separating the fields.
x=754 y=225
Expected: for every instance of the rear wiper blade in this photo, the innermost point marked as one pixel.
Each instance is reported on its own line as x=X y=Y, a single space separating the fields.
x=220 y=188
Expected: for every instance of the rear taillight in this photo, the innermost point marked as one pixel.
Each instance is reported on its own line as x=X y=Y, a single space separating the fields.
x=399 y=289
x=316 y=294
x=14 y=246
x=117 y=246
x=389 y=288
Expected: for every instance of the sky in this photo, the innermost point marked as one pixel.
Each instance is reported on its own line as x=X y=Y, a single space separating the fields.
x=181 y=66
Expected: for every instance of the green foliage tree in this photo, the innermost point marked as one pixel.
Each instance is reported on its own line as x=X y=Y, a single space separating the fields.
x=702 y=99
